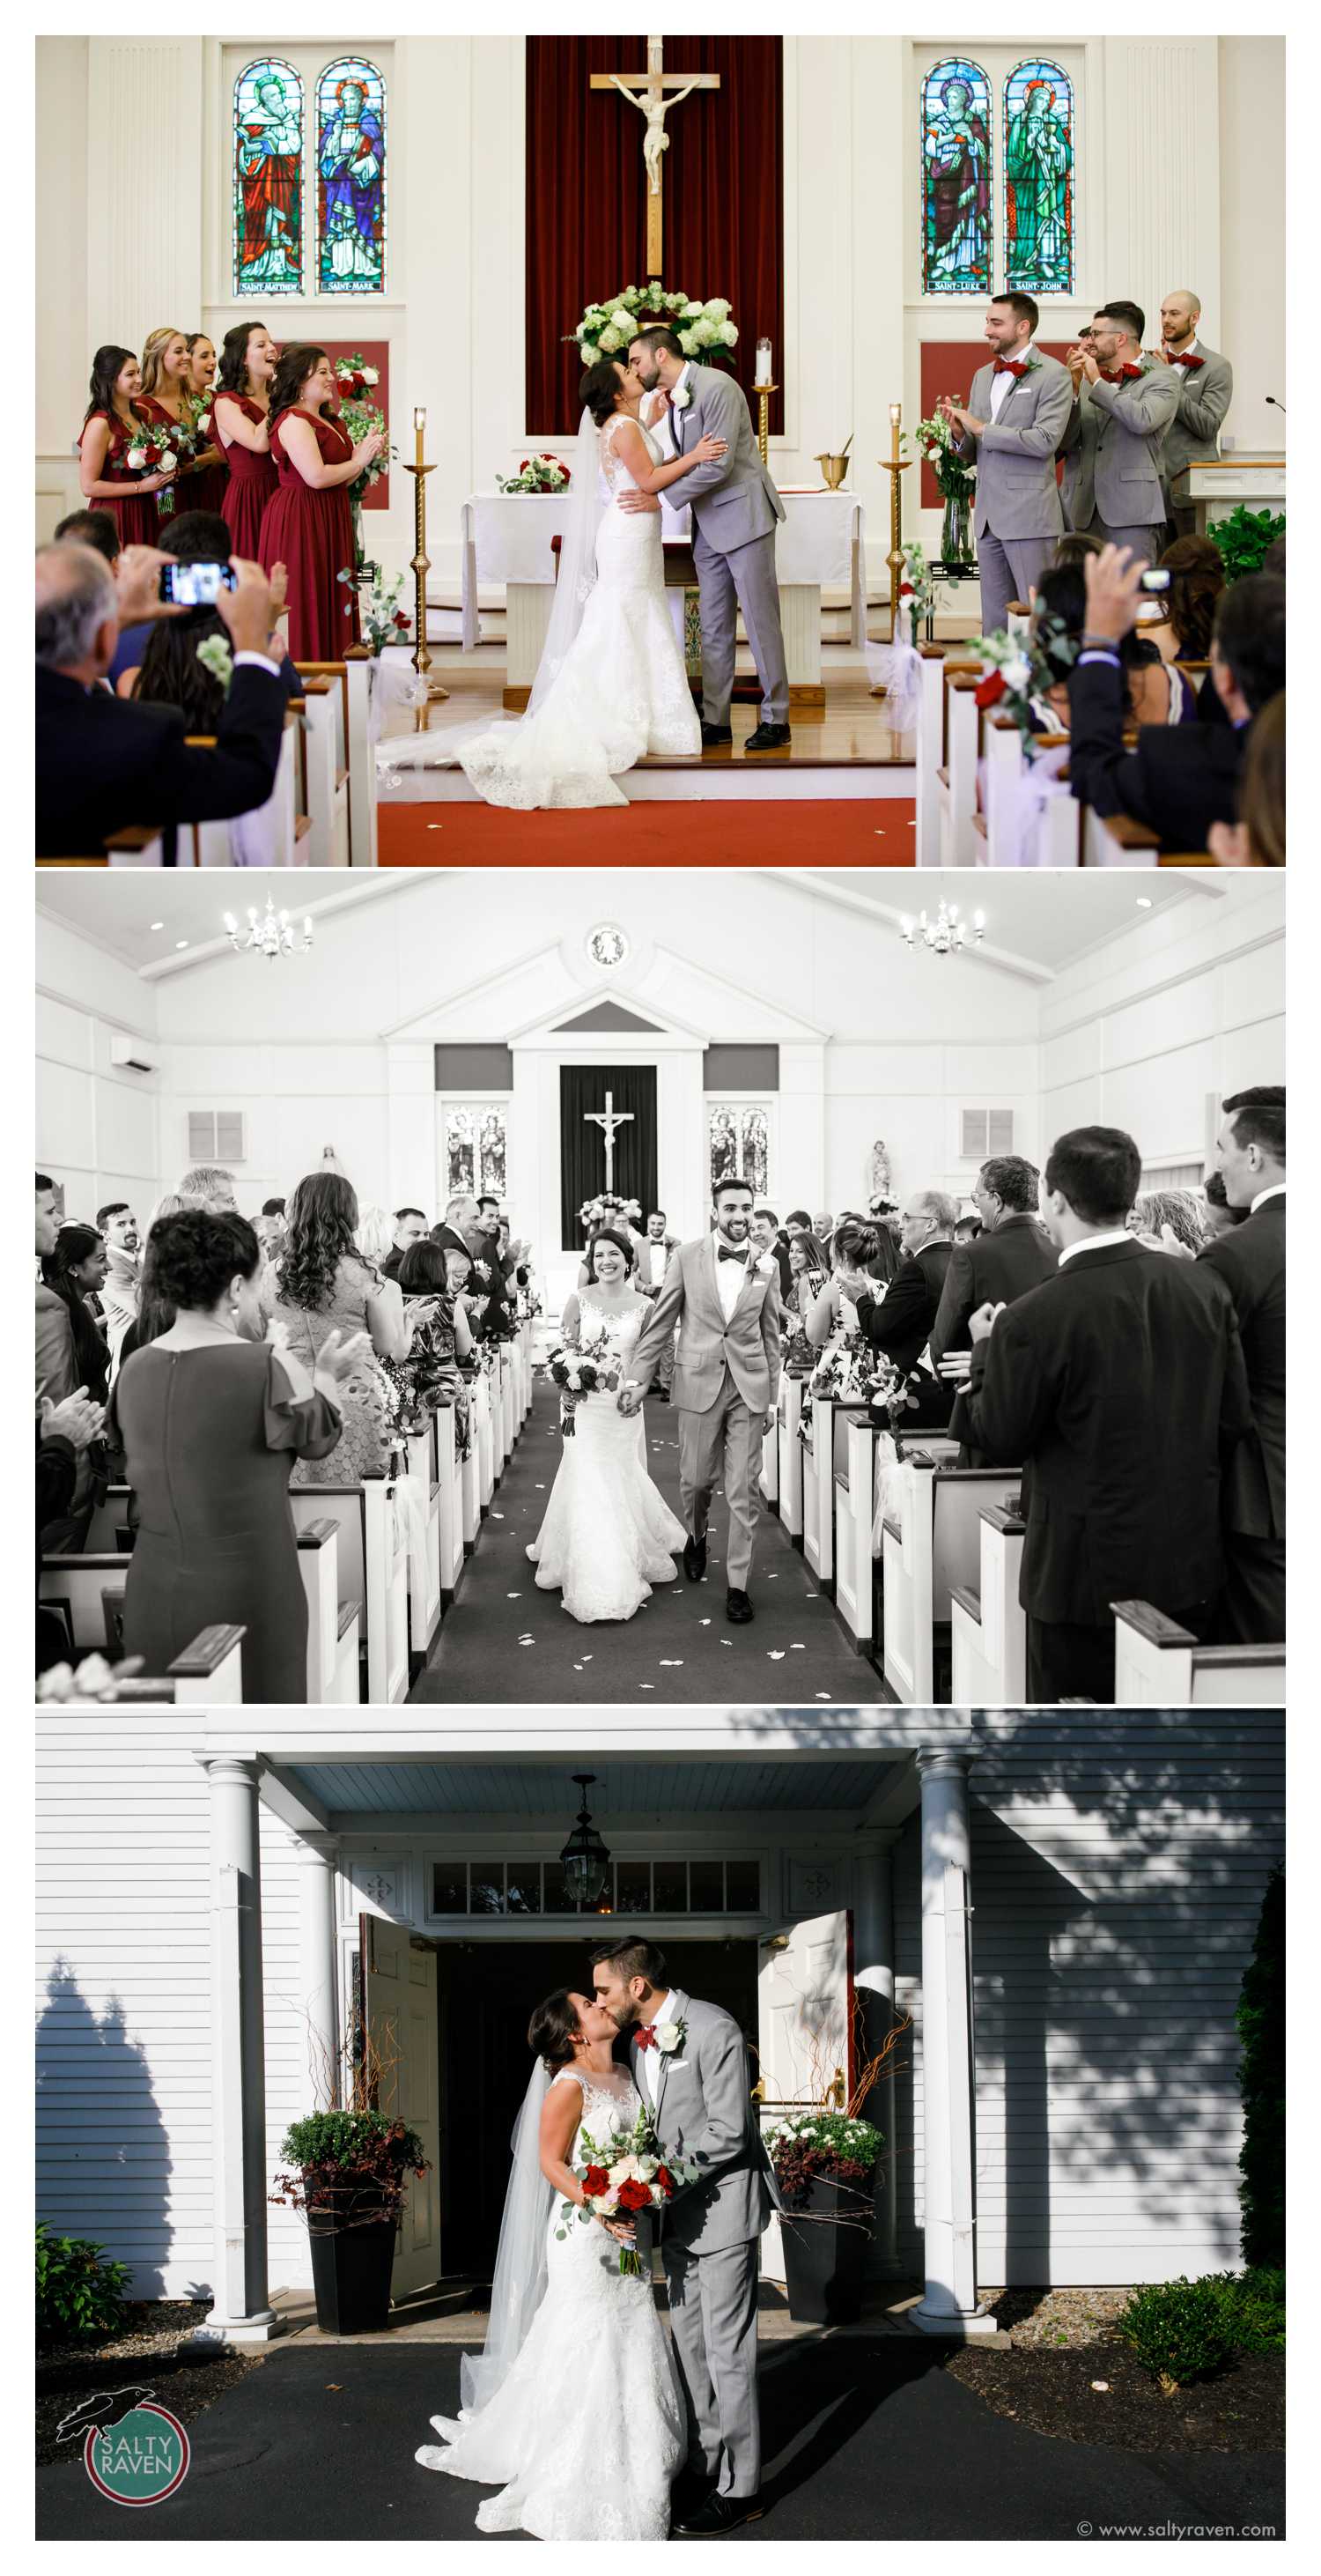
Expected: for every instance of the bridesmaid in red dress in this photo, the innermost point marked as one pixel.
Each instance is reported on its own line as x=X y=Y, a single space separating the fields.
x=110 y=426
x=241 y=421
x=308 y=523
x=165 y=401
x=206 y=487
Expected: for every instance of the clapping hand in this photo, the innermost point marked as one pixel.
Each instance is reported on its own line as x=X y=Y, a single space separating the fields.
x=954 y=1367
x=78 y=1419
x=342 y=1354
x=980 y=1323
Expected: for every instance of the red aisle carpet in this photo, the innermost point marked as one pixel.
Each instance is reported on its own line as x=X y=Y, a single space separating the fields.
x=677 y=833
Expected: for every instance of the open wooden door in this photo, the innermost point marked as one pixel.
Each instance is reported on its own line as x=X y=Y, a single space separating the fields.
x=805 y=2030
x=399 y=1990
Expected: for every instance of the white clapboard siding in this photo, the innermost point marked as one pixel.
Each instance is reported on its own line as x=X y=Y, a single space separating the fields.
x=1118 y=1865
x=288 y=2088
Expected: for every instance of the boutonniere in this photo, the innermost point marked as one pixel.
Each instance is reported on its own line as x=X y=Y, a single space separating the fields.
x=767 y=1265
x=681 y=400
x=670 y=2037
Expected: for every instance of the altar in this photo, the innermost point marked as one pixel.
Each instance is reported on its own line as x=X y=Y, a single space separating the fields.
x=1215 y=489
x=506 y=537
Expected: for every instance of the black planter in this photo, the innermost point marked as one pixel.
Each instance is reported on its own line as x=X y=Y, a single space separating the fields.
x=352 y=2258
x=825 y=2241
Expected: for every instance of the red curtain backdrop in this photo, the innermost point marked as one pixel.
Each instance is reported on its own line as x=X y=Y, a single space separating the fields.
x=587 y=201
x=948 y=367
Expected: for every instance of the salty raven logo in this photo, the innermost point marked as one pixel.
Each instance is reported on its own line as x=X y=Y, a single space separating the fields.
x=101 y=2412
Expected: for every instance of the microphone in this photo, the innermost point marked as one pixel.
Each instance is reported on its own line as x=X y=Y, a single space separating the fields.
x=1278 y=406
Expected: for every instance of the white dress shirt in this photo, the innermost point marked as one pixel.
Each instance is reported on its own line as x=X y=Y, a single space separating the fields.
x=1276 y=1191
x=1096 y=1243
x=730 y=1278
x=650 y=2057
x=1002 y=385
x=657 y=1260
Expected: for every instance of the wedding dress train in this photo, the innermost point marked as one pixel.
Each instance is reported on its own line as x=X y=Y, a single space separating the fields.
x=607 y=1535
x=585 y=2433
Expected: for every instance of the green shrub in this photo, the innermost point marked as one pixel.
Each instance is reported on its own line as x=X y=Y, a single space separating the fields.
x=1244 y=539
x=1177 y=2329
x=1260 y=2024
x=339 y=2153
x=79 y=2294
x=1252 y=2305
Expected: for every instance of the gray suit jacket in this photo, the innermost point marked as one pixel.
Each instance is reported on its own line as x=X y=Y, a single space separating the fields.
x=1112 y=447
x=734 y=501
x=748 y=1345
x=1017 y=495
x=1194 y=433
x=704 y=2110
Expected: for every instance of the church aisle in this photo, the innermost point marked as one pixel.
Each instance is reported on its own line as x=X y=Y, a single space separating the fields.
x=678 y=1647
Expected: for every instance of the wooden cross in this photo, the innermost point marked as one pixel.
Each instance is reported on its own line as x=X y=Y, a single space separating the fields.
x=607 y=1120
x=648 y=92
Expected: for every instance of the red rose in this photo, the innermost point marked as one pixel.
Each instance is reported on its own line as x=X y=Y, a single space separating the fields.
x=634 y=2195
x=665 y=2179
x=595 y=2181
x=905 y=590
x=991 y=689
x=526 y=466
x=400 y=619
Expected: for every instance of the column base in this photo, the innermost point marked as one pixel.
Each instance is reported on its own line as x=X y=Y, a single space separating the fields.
x=948 y=2322
x=263 y=2327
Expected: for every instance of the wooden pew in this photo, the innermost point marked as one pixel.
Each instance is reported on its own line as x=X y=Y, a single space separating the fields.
x=817 y=1451
x=449 y=1478
x=87 y=1595
x=357 y=667
x=207 y=845
x=789 y=1464
x=956 y=779
x=768 y=1478
x=930 y=1542
x=424 y=1557
x=372 y=1571
x=929 y=749
x=484 y=1431
x=855 y=1508
x=988 y=1628
x=1160 y=1665
x=333 y=1626
x=110 y=1528
x=325 y=773
x=139 y=846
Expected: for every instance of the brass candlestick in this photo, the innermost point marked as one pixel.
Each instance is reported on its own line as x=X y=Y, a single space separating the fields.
x=894 y=465
x=421 y=566
x=763 y=394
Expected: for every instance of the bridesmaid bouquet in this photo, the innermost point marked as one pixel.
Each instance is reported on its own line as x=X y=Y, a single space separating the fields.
x=150 y=452
x=622 y=2177
x=360 y=415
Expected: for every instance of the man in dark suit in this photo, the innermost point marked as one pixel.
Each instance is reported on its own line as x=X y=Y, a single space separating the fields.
x=765 y=1233
x=1180 y=779
x=1008 y=1257
x=103 y=762
x=898 y=1324
x=410 y=1225
x=1250 y=1260
x=1120 y=1385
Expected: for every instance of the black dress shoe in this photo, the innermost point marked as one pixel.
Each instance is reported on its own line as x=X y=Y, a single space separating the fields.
x=737 y=1606
x=714 y=735
x=689 y=2492
x=694 y=1559
x=768 y=737
x=718 y=2515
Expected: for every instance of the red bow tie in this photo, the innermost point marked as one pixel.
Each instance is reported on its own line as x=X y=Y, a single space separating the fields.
x=1119 y=374
x=1011 y=366
x=1177 y=359
x=645 y=2034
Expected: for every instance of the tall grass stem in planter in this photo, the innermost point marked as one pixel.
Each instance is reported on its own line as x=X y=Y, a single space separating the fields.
x=349 y=2176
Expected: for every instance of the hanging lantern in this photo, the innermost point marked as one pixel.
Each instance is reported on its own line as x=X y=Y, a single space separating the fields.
x=584 y=1859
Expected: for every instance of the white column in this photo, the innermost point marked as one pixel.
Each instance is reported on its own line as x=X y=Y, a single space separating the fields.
x=318 y=1950
x=949 y=2302
x=873 y=1978
x=240 y=2311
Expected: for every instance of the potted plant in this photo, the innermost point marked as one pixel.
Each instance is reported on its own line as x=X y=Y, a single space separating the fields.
x=824 y=2162
x=350 y=2176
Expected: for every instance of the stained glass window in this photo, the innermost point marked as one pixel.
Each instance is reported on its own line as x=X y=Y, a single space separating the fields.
x=738 y=1133
x=956 y=179
x=1038 y=111
x=475 y=1150
x=268 y=179
x=351 y=178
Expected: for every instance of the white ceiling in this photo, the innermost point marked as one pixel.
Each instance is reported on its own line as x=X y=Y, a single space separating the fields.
x=163 y=922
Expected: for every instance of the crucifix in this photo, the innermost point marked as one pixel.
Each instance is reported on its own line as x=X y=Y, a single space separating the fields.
x=648 y=92
x=607 y=1120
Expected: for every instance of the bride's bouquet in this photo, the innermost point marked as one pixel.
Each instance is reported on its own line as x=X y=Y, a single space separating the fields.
x=587 y=1367
x=624 y=2175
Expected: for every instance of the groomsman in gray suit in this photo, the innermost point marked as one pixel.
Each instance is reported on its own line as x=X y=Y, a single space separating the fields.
x=1123 y=404
x=1206 y=386
x=1012 y=425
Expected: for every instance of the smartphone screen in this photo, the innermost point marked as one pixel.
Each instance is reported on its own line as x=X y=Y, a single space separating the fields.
x=195 y=585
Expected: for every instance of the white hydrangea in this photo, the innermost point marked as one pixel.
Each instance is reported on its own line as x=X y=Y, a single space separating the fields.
x=690 y=312
x=704 y=333
x=589 y=352
x=1018 y=674
x=729 y=333
x=622 y=318
x=610 y=339
x=717 y=308
x=689 y=344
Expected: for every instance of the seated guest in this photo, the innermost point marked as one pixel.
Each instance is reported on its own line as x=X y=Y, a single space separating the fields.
x=1197 y=577
x=1206 y=384
x=93 y=528
x=1153 y=693
x=1250 y=1159
x=1257 y=839
x=765 y=1235
x=103 y=764
x=1009 y=1256
x=169 y=672
x=1073 y=549
x=325 y=1286
x=1178 y=780
x=410 y=1226
x=209 y=1416
x=1220 y=1217
x=900 y=1325
x=1167 y=1220
x=1120 y=1387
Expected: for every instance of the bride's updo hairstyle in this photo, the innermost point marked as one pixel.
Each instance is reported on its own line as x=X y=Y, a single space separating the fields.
x=599 y=390
x=553 y=2029
x=607 y=1234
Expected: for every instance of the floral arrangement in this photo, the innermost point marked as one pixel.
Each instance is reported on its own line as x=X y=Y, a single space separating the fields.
x=883 y=1204
x=216 y=656
x=584 y=1368
x=704 y=330
x=352 y=2167
x=821 y=2146
x=919 y=592
x=887 y=1390
x=594 y=1213
x=536 y=474
x=381 y=618
x=152 y=452
x=360 y=415
x=1024 y=669
x=935 y=443
x=355 y=379
x=93 y=1678
x=622 y=2176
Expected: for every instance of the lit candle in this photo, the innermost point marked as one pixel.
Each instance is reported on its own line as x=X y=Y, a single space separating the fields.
x=419 y=424
x=764 y=375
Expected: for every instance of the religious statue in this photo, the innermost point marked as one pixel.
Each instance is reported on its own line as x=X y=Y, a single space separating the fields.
x=270 y=159
x=1038 y=157
x=957 y=152
x=655 y=140
x=881 y=1183
x=350 y=157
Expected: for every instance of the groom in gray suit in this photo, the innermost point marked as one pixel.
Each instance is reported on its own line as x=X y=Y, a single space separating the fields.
x=1013 y=422
x=725 y=1298
x=690 y=2065
x=735 y=508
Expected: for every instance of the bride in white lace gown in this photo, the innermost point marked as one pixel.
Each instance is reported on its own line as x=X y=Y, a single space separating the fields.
x=612 y=683
x=607 y=1535
x=573 y=2409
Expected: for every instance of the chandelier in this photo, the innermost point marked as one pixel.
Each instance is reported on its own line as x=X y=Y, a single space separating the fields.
x=269 y=934
x=944 y=936
x=584 y=1859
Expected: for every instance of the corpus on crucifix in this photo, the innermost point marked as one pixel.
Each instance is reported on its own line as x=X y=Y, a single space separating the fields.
x=607 y=1120
x=647 y=91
